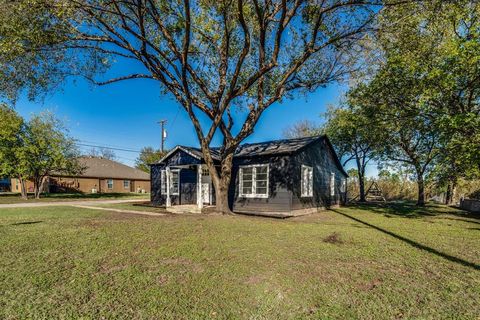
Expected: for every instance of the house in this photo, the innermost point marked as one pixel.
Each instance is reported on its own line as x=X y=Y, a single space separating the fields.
x=99 y=176
x=279 y=178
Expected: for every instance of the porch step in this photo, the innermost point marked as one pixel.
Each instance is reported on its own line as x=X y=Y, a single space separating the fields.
x=186 y=208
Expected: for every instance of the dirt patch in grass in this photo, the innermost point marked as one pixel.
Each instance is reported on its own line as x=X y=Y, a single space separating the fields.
x=333 y=238
x=184 y=262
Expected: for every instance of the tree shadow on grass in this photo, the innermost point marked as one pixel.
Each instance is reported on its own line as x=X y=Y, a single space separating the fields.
x=414 y=243
x=410 y=210
x=25 y=223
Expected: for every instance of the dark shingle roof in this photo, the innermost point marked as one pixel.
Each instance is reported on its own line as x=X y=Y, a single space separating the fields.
x=104 y=168
x=269 y=148
x=197 y=152
x=283 y=146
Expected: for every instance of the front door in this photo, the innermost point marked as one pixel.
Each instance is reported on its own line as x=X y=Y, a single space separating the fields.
x=206 y=193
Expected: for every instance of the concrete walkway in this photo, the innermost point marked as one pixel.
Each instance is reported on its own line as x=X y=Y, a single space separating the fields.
x=67 y=203
x=146 y=213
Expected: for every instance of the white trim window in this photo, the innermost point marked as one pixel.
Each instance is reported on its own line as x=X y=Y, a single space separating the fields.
x=126 y=184
x=332 y=184
x=163 y=182
x=175 y=182
x=307 y=181
x=254 y=181
x=110 y=184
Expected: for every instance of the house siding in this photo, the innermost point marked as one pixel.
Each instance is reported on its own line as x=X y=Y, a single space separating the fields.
x=279 y=197
x=320 y=157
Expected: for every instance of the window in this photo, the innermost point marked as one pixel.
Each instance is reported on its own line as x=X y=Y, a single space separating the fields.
x=254 y=181
x=110 y=184
x=126 y=184
x=332 y=184
x=343 y=187
x=307 y=181
x=163 y=182
x=174 y=181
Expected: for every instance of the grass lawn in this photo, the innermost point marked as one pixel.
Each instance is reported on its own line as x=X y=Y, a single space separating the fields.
x=6 y=198
x=349 y=263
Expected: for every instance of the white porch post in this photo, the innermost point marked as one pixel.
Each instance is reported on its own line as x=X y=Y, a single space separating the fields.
x=199 y=187
x=167 y=174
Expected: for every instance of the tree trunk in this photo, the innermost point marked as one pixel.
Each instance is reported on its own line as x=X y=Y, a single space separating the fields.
x=38 y=186
x=361 y=177
x=448 y=194
x=221 y=181
x=23 y=188
x=361 y=185
x=421 y=190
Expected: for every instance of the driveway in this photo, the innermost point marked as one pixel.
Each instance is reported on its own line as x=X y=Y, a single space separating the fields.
x=66 y=203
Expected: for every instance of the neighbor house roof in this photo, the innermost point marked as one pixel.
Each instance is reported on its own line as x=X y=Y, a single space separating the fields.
x=103 y=168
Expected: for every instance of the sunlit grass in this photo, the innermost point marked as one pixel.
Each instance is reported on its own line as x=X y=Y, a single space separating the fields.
x=367 y=262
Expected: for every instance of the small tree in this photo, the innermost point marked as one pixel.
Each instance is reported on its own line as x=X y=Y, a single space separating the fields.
x=101 y=152
x=354 y=139
x=46 y=149
x=148 y=156
x=12 y=133
x=304 y=128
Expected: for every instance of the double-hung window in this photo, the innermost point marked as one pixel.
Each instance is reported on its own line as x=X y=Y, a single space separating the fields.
x=126 y=184
x=254 y=181
x=163 y=182
x=174 y=182
x=307 y=181
x=110 y=184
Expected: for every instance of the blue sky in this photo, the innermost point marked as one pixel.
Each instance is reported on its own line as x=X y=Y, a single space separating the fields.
x=125 y=115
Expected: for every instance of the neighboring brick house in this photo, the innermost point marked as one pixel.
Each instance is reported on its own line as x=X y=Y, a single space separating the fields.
x=100 y=175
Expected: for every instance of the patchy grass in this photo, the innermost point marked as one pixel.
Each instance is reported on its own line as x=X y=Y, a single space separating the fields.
x=15 y=198
x=137 y=206
x=63 y=262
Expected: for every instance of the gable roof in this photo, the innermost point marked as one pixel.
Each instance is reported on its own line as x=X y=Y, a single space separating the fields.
x=284 y=146
x=104 y=168
x=269 y=148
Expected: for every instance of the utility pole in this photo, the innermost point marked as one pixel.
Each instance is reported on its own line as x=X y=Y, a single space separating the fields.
x=164 y=133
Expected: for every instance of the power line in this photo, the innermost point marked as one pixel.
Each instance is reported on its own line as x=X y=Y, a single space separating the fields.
x=105 y=147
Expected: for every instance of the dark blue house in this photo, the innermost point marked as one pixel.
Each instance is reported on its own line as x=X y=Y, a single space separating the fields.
x=279 y=178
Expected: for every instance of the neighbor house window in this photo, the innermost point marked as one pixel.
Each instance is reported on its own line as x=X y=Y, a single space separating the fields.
x=110 y=184
x=332 y=184
x=126 y=184
x=254 y=181
x=307 y=181
x=174 y=182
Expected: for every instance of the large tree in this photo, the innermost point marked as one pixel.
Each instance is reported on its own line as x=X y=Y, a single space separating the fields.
x=212 y=56
x=435 y=47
